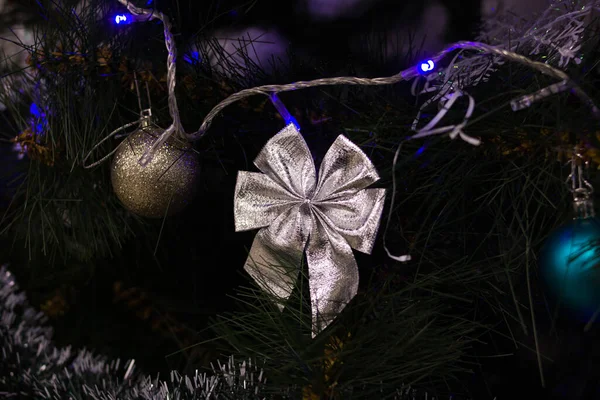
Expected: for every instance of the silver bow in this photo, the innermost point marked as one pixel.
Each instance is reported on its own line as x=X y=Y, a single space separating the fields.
x=327 y=217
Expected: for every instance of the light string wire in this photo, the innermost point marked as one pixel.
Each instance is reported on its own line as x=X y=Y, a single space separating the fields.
x=170 y=44
x=175 y=127
x=448 y=99
x=406 y=75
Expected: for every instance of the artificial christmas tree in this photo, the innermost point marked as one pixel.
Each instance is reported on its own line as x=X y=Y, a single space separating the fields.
x=450 y=284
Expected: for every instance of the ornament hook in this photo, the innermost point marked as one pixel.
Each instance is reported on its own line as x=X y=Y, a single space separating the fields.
x=144 y=121
x=145 y=113
x=580 y=187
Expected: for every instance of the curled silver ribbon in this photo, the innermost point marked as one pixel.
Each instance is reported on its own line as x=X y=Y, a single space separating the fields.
x=326 y=216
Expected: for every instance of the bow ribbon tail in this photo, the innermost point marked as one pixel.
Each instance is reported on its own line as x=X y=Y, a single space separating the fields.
x=333 y=275
x=274 y=267
x=276 y=253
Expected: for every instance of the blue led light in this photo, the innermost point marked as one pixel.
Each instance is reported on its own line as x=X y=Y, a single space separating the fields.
x=38 y=120
x=122 y=19
x=193 y=57
x=285 y=114
x=426 y=67
x=291 y=120
x=34 y=110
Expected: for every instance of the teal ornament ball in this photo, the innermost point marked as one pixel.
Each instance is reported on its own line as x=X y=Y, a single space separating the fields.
x=570 y=265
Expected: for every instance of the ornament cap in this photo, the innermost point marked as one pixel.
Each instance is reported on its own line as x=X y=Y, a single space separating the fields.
x=145 y=118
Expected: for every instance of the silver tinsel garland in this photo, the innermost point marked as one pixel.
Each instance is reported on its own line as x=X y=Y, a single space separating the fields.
x=31 y=366
x=555 y=37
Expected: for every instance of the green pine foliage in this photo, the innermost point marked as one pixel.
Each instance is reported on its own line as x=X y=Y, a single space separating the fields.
x=473 y=218
x=34 y=367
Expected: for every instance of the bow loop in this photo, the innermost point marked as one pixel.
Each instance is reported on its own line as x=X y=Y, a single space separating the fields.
x=350 y=218
x=345 y=170
x=287 y=160
x=258 y=201
x=326 y=217
x=277 y=251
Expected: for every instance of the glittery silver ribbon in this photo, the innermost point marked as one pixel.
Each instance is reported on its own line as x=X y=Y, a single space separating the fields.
x=327 y=217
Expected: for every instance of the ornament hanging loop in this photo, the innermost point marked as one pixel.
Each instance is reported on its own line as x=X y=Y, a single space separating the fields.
x=146 y=118
x=145 y=113
x=581 y=188
x=145 y=121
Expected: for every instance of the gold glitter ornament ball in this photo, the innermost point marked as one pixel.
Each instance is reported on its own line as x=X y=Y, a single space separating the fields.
x=166 y=182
